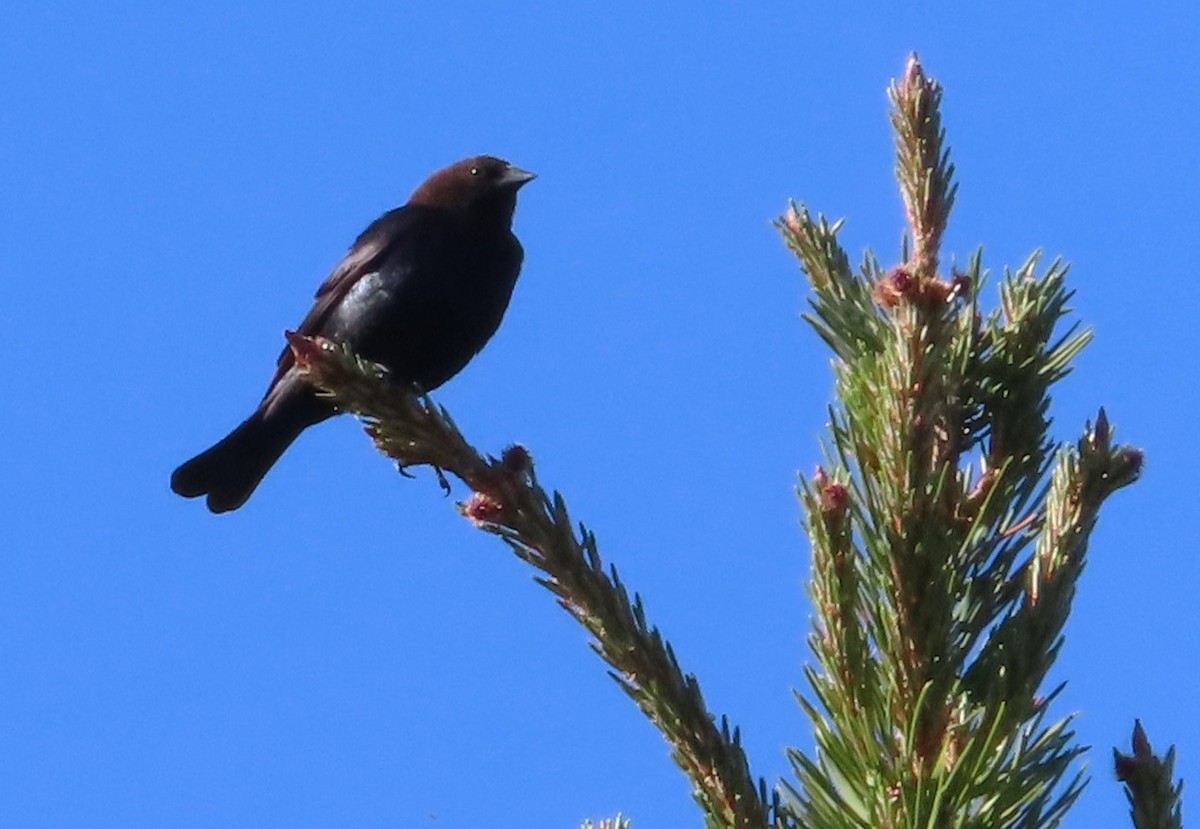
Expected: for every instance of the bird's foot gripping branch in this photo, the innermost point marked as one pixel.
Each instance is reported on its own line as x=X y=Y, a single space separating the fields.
x=508 y=501
x=408 y=428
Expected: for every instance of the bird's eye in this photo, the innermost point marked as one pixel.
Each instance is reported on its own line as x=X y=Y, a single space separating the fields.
x=474 y=171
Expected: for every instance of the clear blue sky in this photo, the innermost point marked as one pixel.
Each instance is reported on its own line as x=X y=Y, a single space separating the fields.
x=346 y=650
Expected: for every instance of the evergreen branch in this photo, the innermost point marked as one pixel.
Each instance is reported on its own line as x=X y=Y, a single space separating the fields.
x=844 y=313
x=1021 y=650
x=1154 y=798
x=941 y=591
x=507 y=501
x=923 y=167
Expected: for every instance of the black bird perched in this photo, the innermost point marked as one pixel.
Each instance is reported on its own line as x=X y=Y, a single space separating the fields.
x=421 y=291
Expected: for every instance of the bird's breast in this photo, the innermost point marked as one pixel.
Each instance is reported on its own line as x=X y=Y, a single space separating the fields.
x=427 y=310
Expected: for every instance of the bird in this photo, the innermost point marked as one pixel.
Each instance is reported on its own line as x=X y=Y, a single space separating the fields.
x=421 y=291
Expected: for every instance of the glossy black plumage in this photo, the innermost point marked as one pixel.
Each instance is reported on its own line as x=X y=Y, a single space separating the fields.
x=421 y=291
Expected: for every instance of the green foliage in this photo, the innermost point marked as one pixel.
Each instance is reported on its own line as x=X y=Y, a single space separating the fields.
x=948 y=535
x=944 y=565
x=509 y=502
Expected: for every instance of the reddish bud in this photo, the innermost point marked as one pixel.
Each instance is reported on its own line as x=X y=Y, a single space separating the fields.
x=1102 y=431
x=516 y=458
x=1128 y=766
x=902 y=279
x=820 y=478
x=791 y=220
x=835 y=497
x=1141 y=743
x=896 y=286
x=304 y=349
x=482 y=508
x=962 y=285
x=914 y=74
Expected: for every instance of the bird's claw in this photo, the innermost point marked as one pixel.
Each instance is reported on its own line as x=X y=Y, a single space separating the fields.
x=441 y=476
x=402 y=468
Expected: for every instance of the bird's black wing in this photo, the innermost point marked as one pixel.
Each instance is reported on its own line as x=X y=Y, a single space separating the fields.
x=369 y=249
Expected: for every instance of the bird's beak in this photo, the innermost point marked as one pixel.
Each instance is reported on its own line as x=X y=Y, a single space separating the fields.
x=515 y=177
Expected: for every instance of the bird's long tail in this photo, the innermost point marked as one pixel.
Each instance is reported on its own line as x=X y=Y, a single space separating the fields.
x=231 y=470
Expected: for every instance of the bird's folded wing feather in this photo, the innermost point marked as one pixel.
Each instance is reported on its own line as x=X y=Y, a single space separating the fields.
x=364 y=256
